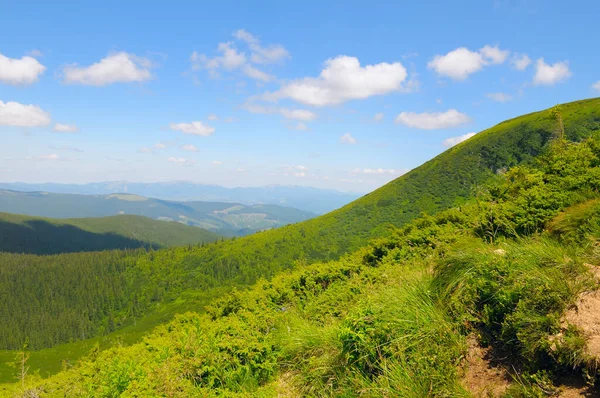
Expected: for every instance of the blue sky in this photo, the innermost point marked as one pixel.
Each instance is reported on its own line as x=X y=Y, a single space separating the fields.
x=344 y=95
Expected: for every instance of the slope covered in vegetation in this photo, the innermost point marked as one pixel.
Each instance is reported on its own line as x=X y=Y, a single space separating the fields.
x=230 y=219
x=392 y=319
x=189 y=275
x=36 y=235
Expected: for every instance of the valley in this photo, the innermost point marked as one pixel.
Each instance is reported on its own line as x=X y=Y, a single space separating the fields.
x=487 y=241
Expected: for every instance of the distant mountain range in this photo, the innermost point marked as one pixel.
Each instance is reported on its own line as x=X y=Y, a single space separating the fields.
x=229 y=219
x=315 y=200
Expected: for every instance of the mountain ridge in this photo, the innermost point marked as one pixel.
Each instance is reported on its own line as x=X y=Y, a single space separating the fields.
x=316 y=200
x=223 y=218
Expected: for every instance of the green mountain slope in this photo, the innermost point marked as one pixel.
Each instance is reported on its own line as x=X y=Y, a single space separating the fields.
x=26 y=234
x=229 y=219
x=407 y=315
x=187 y=276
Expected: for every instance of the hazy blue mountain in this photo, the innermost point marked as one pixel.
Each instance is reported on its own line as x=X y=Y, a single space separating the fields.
x=315 y=200
x=221 y=217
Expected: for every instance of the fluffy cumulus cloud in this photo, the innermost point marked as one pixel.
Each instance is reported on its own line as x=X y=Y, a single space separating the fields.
x=20 y=71
x=343 y=79
x=298 y=126
x=596 y=86
x=193 y=128
x=20 y=115
x=549 y=75
x=189 y=147
x=230 y=58
x=65 y=128
x=295 y=114
x=434 y=120
x=521 y=61
x=499 y=97
x=347 y=139
x=119 y=67
x=462 y=62
x=259 y=54
x=450 y=142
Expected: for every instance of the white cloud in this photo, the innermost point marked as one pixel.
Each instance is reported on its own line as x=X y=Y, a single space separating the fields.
x=217 y=163
x=181 y=161
x=460 y=63
x=521 y=61
x=193 y=128
x=119 y=67
x=160 y=145
x=596 y=85
x=493 y=54
x=343 y=79
x=378 y=117
x=20 y=115
x=25 y=70
x=378 y=171
x=301 y=168
x=240 y=170
x=229 y=59
x=546 y=74
x=145 y=150
x=450 y=142
x=298 y=114
x=262 y=55
x=212 y=116
x=65 y=128
x=499 y=97
x=189 y=147
x=347 y=139
x=35 y=53
x=300 y=174
x=257 y=74
x=432 y=121
x=381 y=171
x=299 y=127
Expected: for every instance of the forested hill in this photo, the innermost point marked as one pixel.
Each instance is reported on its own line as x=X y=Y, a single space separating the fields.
x=229 y=219
x=26 y=234
x=186 y=276
x=497 y=298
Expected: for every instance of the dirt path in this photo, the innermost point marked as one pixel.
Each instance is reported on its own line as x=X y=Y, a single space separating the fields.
x=482 y=378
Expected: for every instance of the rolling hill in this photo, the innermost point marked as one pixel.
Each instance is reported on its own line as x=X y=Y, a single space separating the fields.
x=494 y=297
x=36 y=235
x=229 y=219
x=314 y=200
x=144 y=284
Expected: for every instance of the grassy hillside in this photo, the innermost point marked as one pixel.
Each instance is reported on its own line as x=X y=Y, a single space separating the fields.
x=491 y=282
x=451 y=179
x=26 y=234
x=228 y=219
